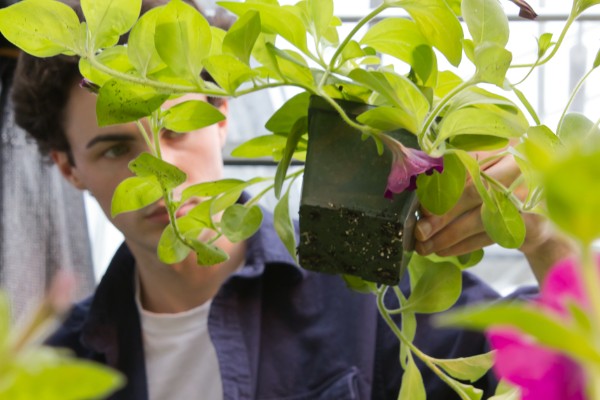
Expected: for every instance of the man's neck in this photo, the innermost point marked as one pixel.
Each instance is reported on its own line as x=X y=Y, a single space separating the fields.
x=186 y=285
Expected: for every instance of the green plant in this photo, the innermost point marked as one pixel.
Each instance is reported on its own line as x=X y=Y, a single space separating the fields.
x=272 y=45
x=29 y=370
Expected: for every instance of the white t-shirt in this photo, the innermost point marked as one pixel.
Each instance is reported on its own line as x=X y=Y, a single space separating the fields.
x=181 y=362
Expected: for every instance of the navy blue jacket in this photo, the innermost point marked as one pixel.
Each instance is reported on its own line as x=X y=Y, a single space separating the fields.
x=280 y=332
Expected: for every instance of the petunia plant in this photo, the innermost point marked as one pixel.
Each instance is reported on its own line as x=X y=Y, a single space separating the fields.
x=172 y=47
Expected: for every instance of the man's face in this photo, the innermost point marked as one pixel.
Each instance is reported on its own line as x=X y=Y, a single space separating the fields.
x=101 y=156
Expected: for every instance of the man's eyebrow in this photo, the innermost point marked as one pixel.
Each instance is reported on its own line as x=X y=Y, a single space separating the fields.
x=118 y=137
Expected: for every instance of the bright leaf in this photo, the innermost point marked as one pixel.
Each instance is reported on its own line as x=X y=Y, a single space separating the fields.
x=135 y=193
x=192 y=115
x=299 y=129
x=140 y=46
x=107 y=20
x=412 y=382
x=41 y=28
x=286 y=116
x=119 y=102
x=400 y=38
x=486 y=21
x=438 y=23
x=115 y=58
x=167 y=174
x=436 y=286
x=240 y=38
x=182 y=38
x=261 y=146
x=228 y=71
x=283 y=224
x=492 y=62
x=240 y=222
x=438 y=193
x=208 y=254
x=502 y=220
x=467 y=368
x=209 y=189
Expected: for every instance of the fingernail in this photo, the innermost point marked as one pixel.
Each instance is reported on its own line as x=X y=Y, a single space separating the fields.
x=423 y=229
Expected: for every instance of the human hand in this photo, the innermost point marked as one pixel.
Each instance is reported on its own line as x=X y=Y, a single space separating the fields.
x=461 y=230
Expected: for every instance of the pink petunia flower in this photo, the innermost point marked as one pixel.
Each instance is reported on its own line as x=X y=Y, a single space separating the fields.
x=542 y=373
x=406 y=165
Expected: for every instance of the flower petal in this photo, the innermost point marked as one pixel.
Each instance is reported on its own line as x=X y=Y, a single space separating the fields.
x=541 y=374
x=526 y=11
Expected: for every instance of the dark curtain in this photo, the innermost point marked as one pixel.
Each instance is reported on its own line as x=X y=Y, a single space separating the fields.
x=42 y=218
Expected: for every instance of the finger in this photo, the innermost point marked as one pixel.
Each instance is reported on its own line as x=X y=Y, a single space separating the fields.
x=463 y=227
x=468 y=245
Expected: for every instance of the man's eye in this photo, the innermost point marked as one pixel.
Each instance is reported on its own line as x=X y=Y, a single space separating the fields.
x=116 y=151
x=168 y=134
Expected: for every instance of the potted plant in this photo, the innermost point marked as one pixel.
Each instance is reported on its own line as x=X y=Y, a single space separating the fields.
x=444 y=116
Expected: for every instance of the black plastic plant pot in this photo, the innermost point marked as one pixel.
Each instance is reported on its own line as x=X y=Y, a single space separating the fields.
x=347 y=226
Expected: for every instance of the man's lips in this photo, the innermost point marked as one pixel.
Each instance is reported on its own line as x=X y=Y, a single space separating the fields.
x=159 y=213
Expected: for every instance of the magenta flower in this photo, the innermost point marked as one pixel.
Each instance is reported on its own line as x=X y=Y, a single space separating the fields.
x=526 y=11
x=542 y=373
x=406 y=165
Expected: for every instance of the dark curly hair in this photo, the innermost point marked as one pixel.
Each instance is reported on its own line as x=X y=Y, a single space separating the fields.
x=41 y=87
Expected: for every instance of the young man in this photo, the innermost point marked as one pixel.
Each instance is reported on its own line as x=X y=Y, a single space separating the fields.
x=255 y=327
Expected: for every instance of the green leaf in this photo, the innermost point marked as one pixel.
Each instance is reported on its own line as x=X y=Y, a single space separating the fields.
x=467 y=368
x=412 y=387
x=474 y=170
x=283 y=224
x=351 y=51
x=210 y=189
x=167 y=174
x=502 y=220
x=439 y=24
x=577 y=131
x=463 y=261
x=486 y=21
x=478 y=142
x=402 y=39
x=573 y=194
x=41 y=28
x=398 y=92
x=388 y=118
x=505 y=391
x=140 y=46
x=208 y=254
x=476 y=121
x=292 y=66
x=115 y=58
x=228 y=71
x=182 y=38
x=171 y=250
x=539 y=146
x=477 y=97
x=446 y=82
x=135 y=193
x=261 y=146
x=239 y=222
x=359 y=285
x=274 y=20
x=492 y=62
x=549 y=330
x=107 y=20
x=436 y=286
x=580 y=6
x=438 y=193
x=544 y=43
x=192 y=115
x=119 y=102
x=65 y=380
x=299 y=129
x=286 y=116
x=5 y=320
x=241 y=37
x=320 y=13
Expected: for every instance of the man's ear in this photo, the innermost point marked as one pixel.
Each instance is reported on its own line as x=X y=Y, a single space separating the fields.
x=223 y=125
x=68 y=170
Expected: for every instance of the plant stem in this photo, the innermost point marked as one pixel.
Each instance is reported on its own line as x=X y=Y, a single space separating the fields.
x=145 y=135
x=571 y=98
x=554 y=49
x=422 y=137
x=363 y=128
x=414 y=349
x=349 y=37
